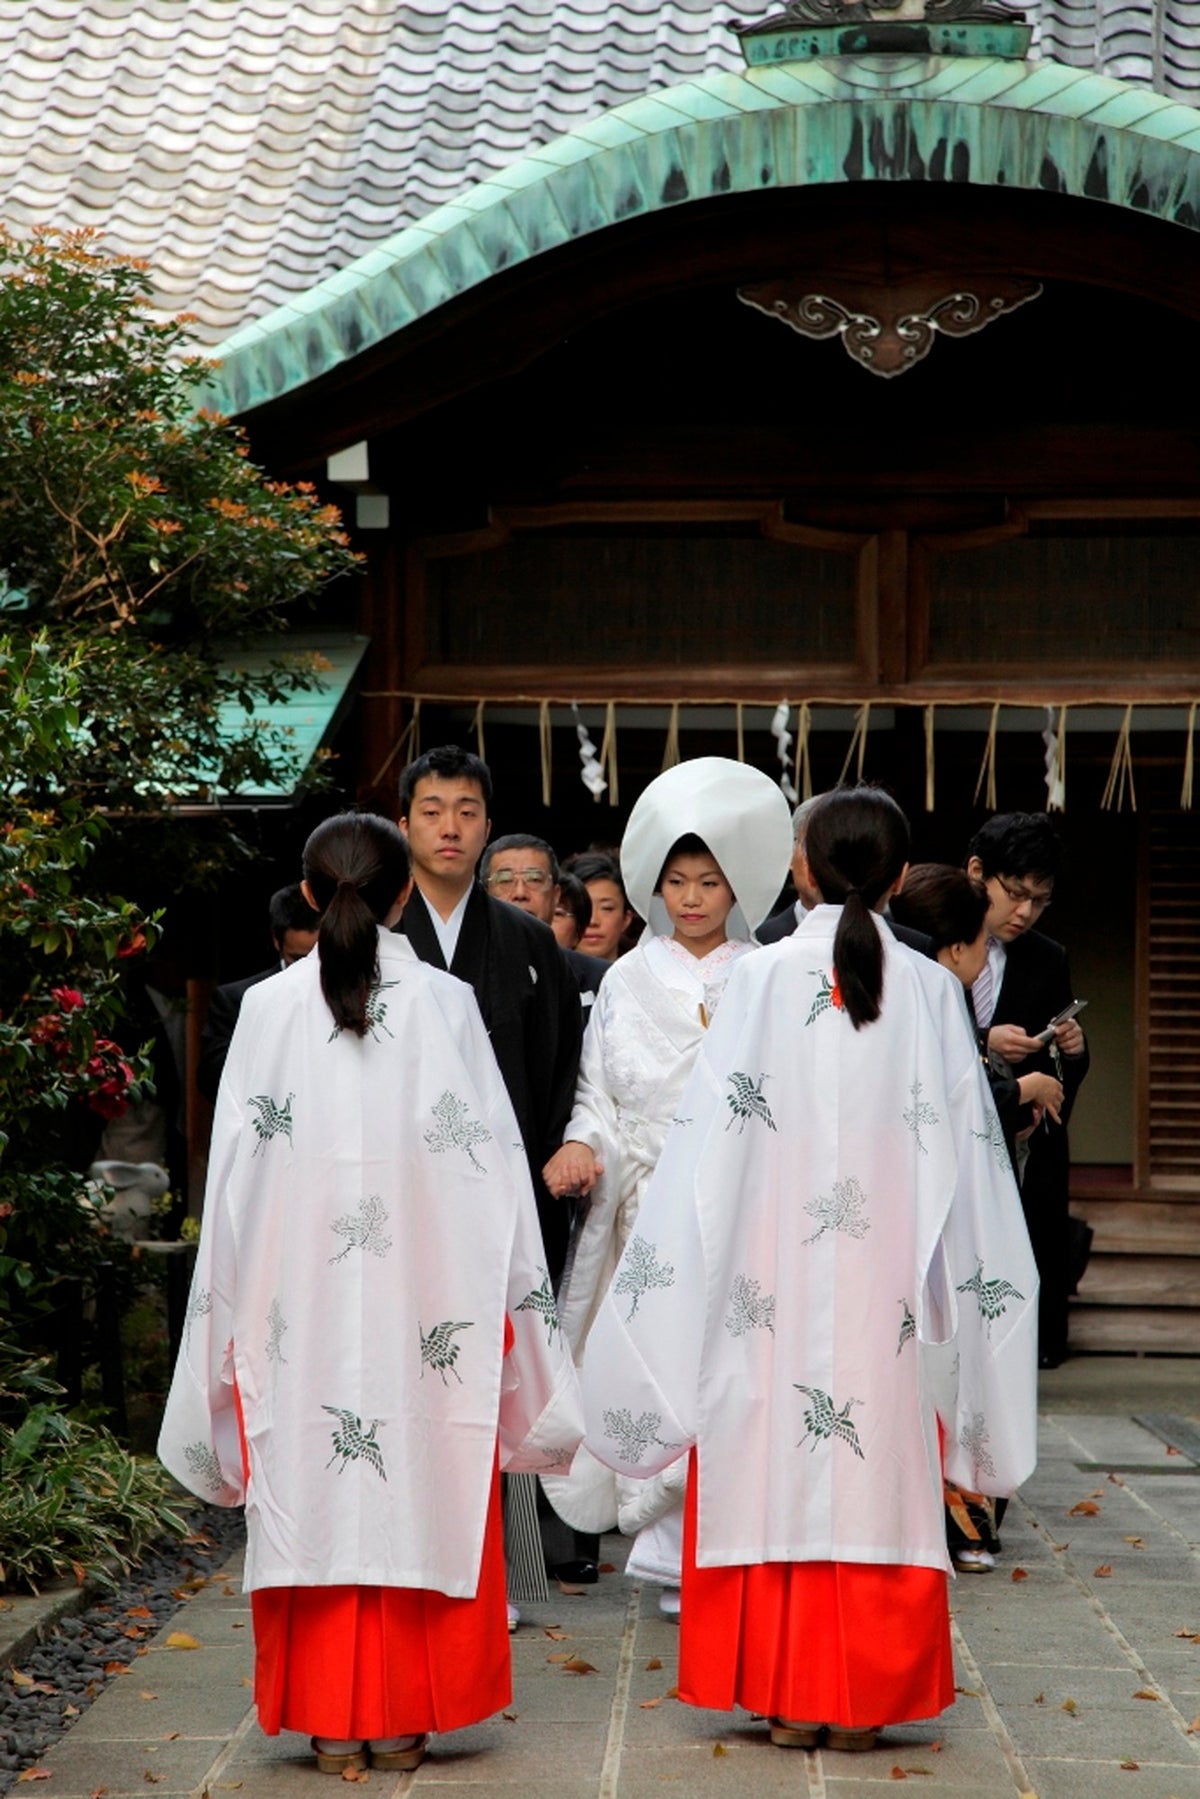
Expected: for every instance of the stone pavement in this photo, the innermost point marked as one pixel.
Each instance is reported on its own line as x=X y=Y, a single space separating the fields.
x=1077 y=1676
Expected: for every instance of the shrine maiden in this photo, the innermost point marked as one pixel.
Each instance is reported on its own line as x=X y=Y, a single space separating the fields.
x=829 y=1273
x=704 y=855
x=370 y=1330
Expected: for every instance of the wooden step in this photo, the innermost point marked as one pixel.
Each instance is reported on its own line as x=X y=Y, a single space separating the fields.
x=1135 y=1329
x=1142 y=1280
x=1138 y=1227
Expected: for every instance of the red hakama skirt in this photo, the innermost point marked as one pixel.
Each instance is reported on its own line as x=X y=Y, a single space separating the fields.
x=856 y=1644
x=364 y=1663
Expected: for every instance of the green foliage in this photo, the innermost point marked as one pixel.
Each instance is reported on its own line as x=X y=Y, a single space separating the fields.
x=137 y=540
x=72 y=1501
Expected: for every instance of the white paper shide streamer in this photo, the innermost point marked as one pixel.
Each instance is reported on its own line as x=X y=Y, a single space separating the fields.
x=1052 y=737
x=592 y=773
x=783 y=742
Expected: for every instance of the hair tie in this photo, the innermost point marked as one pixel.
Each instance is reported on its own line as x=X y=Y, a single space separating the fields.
x=346 y=881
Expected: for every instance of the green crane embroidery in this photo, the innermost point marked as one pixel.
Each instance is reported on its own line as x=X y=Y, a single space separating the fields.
x=541 y=1301
x=375 y=1012
x=276 y=1325
x=456 y=1130
x=822 y=1423
x=633 y=1436
x=200 y=1305
x=992 y=1296
x=974 y=1438
x=842 y=1212
x=202 y=1461
x=745 y=1100
x=993 y=1136
x=827 y=998
x=439 y=1350
x=919 y=1113
x=641 y=1270
x=353 y=1443
x=908 y=1326
x=749 y=1307
x=272 y=1119
x=363 y=1229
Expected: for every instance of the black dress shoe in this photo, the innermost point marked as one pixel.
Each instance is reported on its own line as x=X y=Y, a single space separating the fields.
x=576 y=1574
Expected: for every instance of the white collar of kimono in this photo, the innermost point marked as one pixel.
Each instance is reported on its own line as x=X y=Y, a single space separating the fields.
x=738 y=812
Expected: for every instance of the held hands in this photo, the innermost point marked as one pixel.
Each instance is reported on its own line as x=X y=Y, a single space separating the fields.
x=572 y=1169
x=1011 y=1042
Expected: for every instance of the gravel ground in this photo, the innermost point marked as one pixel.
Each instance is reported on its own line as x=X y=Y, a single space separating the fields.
x=62 y=1675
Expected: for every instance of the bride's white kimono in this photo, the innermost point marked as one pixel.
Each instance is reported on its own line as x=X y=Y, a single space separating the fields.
x=830 y=1256
x=368 y=1225
x=647 y=1025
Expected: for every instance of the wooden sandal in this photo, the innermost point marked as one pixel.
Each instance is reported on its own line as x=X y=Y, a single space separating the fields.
x=339 y=1761
x=786 y=1734
x=400 y=1760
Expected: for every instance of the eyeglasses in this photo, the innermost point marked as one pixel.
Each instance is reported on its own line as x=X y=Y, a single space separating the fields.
x=503 y=878
x=1021 y=896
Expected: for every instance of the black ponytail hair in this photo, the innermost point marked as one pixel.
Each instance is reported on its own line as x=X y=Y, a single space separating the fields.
x=356 y=865
x=856 y=842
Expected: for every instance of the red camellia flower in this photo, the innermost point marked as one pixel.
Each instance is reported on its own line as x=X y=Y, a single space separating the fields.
x=112 y=1076
x=134 y=947
x=69 y=998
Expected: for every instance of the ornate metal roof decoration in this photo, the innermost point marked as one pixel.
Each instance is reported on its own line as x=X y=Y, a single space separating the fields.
x=889 y=330
x=250 y=149
x=808 y=28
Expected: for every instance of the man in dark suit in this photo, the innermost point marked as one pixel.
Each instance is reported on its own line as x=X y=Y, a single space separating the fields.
x=782 y=924
x=529 y=1001
x=523 y=870
x=1024 y=984
x=293 y=932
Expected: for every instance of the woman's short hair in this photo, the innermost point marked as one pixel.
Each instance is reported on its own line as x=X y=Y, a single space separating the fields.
x=942 y=901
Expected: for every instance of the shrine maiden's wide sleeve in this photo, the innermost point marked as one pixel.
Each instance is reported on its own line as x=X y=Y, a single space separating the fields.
x=368 y=1226
x=830 y=1256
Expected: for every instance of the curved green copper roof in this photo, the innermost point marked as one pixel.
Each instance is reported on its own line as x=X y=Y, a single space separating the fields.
x=979 y=120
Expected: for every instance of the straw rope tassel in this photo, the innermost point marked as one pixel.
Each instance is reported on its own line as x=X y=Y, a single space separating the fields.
x=477 y=727
x=929 y=712
x=1185 y=797
x=1120 y=770
x=608 y=752
x=407 y=745
x=671 y=751
x=803 y=780
x=987 y=768
x=544 y=742
x=858 y=740
x=741 y=735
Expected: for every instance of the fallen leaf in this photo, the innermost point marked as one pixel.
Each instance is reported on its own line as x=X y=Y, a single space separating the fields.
x=606 y=1568
x=1193 y=1636
x=1103 y=1572
x=935 y=1748
x=1020 y=1574
x=240 y=1625
x=70 y=1711
x=1059 y=1547
x=359 y=1776
x=918 y=1770
x=648 y=1705
x=1040 y=1699
x=138 y=1611
x=1128 y=1764
x=1171 y=1450
x=148 y=1695
x=1087 y=1508
x=246 y=1681
x=170 y=1736
x=720 y=1749
x=179 y=1639
x=652 y=1664
x=1193 y=1727
x=898 y=1774
x=556 y=1633
x=1116 y=1480
x=672 y=1692
x=511 y=1716
x=97 y=1793
x=22 y=1680
x=1098 y=1492
x=229 y=1592
x=117 y=1668
x=1070 y=1705
x=969 y=1692
x=34 y=1774
x=151 y=1778
x=1145 y=1693
x=576 y=1666
x=1136 y=1542
x=560 y=1656
x=134 y=1632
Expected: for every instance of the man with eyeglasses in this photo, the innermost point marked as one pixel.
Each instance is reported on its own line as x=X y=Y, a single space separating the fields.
x=1024 y=985
x=524 y=871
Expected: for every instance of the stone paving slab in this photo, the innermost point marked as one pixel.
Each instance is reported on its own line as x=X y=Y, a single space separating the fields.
x=1049 y=1666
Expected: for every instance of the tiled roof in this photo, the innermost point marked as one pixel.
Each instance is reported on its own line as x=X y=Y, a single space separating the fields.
x=250 y=148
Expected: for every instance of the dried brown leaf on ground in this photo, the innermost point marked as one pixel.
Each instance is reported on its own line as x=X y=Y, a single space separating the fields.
x=179 y=1639
x=1070 y=1705
x=648 y=1705
x=1135 y=1542
x=1087 y=1508
x=720 y=1749
x=1104 y=1571
x=1145 y=1693
x=652 y=1664
x=1020 y=1574
x=34 y=1774
x=1128 y=1764
x=510 y=1717
x=556 y=1633
x=576 y=1665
